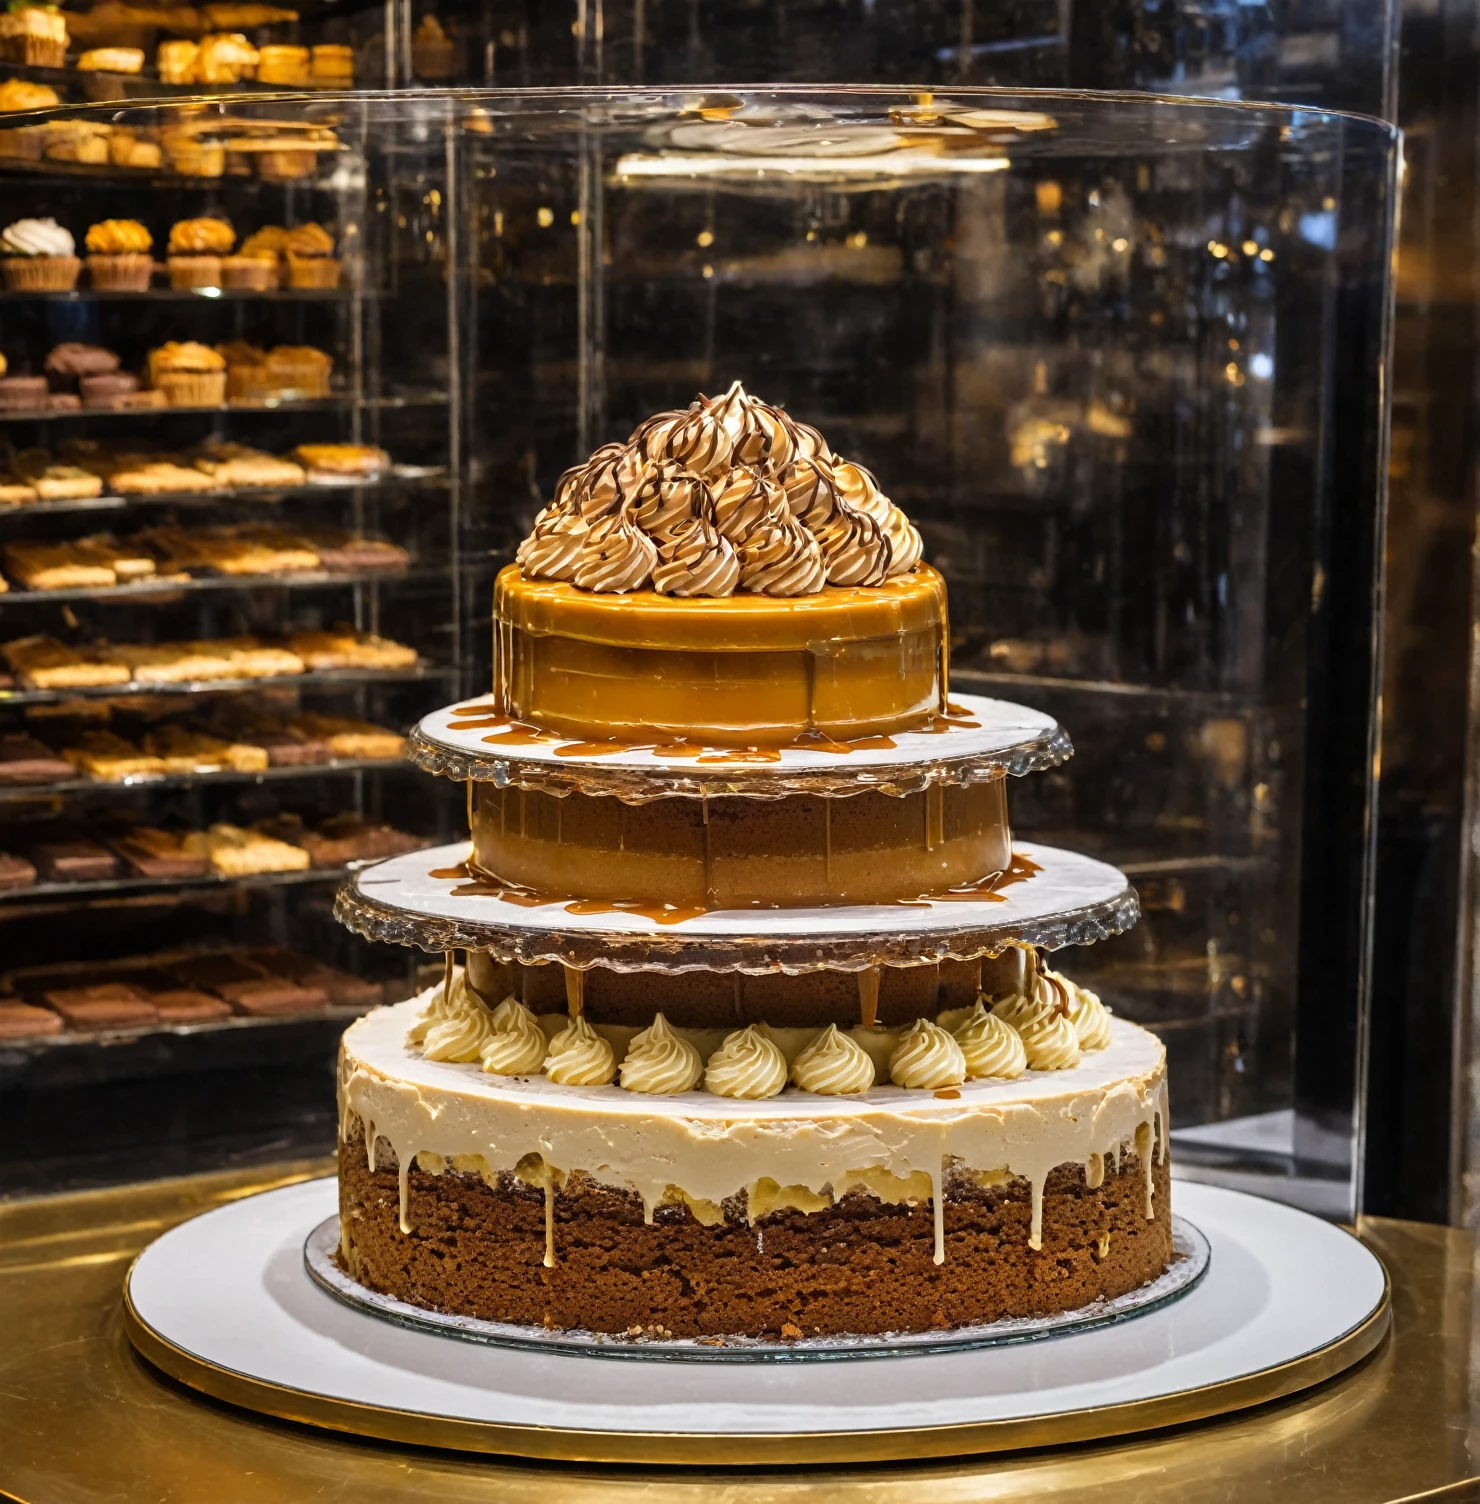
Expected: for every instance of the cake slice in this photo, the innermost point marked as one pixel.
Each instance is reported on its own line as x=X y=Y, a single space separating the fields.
x=108 y=1005
x=250 y=658
x=128 y=561
x=285 y=746
x=73 y=859
x=354 y=838
x=235 y=852
x=187 y=751
x=54 y=566
x=338 y=549
x=346 y=648
x=154 y=852
x=15 y=873
x=20 y=1020
x=249 y=989
x=240 y=465
x=188 y=1005
x=45 y=663
x=348 y=737
x=23 y=759
x=343 y=989
x=108 y=757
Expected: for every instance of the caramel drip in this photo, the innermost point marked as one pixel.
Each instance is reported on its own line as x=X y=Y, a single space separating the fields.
x=743 y=754
x=659 y=913
x=520 y=735
x=679 y=749
x=868 y=996
x=596 y=749
x=575 y=990
x=481 y=707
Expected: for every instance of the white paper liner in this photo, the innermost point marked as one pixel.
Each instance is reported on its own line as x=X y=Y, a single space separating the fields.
x=1072 y=900
x=1009 y=739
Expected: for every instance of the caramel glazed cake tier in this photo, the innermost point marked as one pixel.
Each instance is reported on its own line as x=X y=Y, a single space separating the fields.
x=672 y=1183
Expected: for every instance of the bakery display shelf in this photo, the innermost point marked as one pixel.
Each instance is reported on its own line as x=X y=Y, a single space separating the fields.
x=146 y=84
x=1200 y=701
x=983 y=739
x=151 y=589
x=157 y=177
x=337 y=678
x=190 y=294
x=408 y=478
x=429 y=899
x=127 y=887
x=28 y=793
x=336 y=404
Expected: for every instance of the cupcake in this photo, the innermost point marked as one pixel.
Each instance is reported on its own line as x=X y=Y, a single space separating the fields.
x=194 y=158
x=298 y=373
x=250 y=273
x=189 y=374
x=176 y=62
x=282 y=64
x=25 y=141
x=33 y=33
x=246 y=372
x=195 y=251
x=332 y=66
x=268 y=244
x=431 y=50
x=119 y=258
x=110 y=389
x=38 y=255
x=22 y=394
x=310 y=256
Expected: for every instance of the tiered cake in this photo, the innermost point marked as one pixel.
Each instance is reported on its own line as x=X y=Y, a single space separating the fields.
x=753 y=1035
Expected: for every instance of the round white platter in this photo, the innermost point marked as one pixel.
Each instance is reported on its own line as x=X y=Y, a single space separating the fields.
x=988 y=739
x=223 y=1303
x=1070 y=900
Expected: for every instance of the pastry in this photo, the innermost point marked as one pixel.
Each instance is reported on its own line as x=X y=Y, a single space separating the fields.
x=109 y=758
x=235 y=852
x=128 y=562
x=56 y=482
x=128 y=149
x=18 y=94
x=431 y=50
x=239 y=465
x=23 y=759
x=251 y=659
x=353 y=838
x=189 y=374
x=341 y=550
x=332 y=66
x=127 y=60
x=83 y=141
x=298 y=373
x=343 y=989
x=186 y=1005
x=66 y=363
x=249 y=273
x=250 y=988
x=73 y=859
x=22 y=1020
x=109 y=1005
x=112 y=390
x=63 y=402
x=285 y=746
x=14 y=492
x=347 y=648
x=225 y=58
x=153 y=852
x=169 y=662
x=135 y=476
x=336 y=462
x=192 y=157
x=175 y=62
x=284 y=65
x=53 y=566
x=185 y=751
x=247 y=17
x=35 y=33
x=347 y=737
x=119 y=258
x=15 y=872
x=45 y=663
x=23 y=393
x=38 y=255
x=309 y=253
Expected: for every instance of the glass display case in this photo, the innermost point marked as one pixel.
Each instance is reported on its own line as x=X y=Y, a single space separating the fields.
x=1121 y=360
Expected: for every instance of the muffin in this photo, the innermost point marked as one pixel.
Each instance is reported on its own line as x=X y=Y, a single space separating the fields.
x=109 y=389
x=225 y=58
x=33 y=33
x=249 y=273
x=267 y=244
x=189 y=374
x=22 y=394
x=332 y=66
x=192 y=157
x=279 y=64
x=431 y=50
x=25 y=141
x=299 y=373
x=195 y=251
x=38 y=255
x=310 y=256
x=246 y=372
x=119 y=258
x=125 y=149
x=127 y=60
x=176 y=62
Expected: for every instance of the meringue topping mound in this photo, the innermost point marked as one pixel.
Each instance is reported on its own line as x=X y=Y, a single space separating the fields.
x=731 y=494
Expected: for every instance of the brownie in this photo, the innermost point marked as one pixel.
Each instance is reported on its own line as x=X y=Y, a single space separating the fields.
x=15 y=872
x=22 y=393
x=108 y=1005
x=67 y=362
x=187 y=1005
x=20 y=1020
x=25 y=760
x=73 y=859
x=109 y=390
x=156 y=853
x=352 y=838
x=249 y=989
x=342 y=989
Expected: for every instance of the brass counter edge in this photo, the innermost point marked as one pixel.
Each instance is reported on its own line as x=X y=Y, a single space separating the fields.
x=560 y=1444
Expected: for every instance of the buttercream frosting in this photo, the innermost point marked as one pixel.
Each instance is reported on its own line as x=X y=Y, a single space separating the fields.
x=37 y=237
x=790 y=515
x=660 y=1062
x=1048 y=1037
x=833 y=1065
x=748 y=1064
x=927 y=1057
x=579 y=1056
x=516 y=1045
x=1090 y=1017
x=461 y=1032
x=990 y=1045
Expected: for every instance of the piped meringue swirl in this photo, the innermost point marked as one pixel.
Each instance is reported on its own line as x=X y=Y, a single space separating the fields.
x=579 y=1056
x=748 y=1064
x=1048 y=1037
x=516 y=1044
x=833 y=1065
x=660 y=1062
x=990 y=1046
x=796 y=516
x=927 y=1057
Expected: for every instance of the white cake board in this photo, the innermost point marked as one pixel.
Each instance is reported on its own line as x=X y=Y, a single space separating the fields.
x=1072 y=900
x=224 y=1304
x=1005 y=738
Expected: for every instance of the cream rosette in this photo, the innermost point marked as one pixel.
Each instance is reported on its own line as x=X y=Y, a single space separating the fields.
x=516 y=1044
x=990 y=1046
x=926 y=1058
x=659 y=1062
x=748 y=1064
x=579 y=1056
x=1047 y=1034
x=833 y=1065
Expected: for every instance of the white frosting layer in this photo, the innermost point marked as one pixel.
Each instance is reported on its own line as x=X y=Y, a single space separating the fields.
x=702 y=1148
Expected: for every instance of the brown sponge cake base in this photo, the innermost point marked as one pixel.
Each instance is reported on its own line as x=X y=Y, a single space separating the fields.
x=861 y=1265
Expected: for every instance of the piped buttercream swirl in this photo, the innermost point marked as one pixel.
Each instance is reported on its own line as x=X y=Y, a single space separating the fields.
x=990 y=1045
x=926 y=1057
x=748 y=1064
x=833 y=1065
x=1090 y=1017
x=660 y=1062
x=516 y=1044
x=1048 y=1037
x=794 y=515
x=461 y=1032
x=579 y=1056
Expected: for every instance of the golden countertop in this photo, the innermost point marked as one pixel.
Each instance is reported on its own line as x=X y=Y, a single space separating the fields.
x=82 y=1418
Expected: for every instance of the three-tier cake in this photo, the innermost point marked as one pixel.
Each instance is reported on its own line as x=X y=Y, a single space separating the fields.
x=753 y=1036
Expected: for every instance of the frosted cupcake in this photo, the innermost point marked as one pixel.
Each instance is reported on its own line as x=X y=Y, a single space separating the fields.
x=33 y=32
x=38 y=255
x=195 y=251
x=311 y=259
x=119 y=255
x=189 y=374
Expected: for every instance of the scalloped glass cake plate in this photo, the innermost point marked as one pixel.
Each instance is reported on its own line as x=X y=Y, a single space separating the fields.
x=1191 y=1257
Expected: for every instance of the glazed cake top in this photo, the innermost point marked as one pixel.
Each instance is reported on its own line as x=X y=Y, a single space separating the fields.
x=729 y=495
